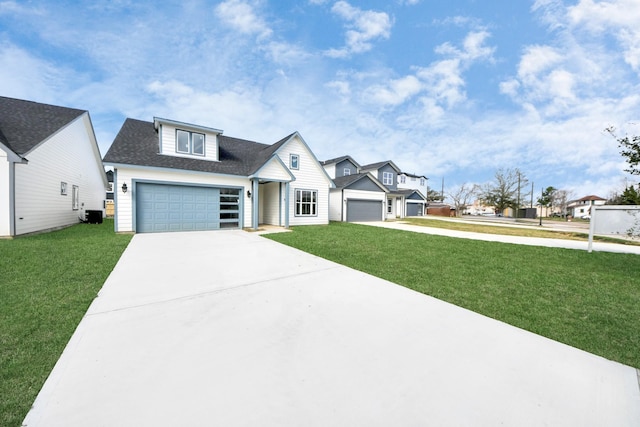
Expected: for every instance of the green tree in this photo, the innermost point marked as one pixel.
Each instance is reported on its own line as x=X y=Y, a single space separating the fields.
x=547 y=198
x=629 y=148
x=630 y=196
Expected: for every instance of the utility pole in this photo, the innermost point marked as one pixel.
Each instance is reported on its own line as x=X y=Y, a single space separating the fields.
x=532 y=194
x=541 y=198
x=442 y=192
x=518 y=202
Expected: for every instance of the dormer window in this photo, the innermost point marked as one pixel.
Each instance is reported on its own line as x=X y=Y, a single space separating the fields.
x=189 y=142
x=346 y=172
x=387 y=178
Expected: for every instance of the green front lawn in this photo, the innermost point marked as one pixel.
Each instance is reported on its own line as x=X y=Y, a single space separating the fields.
x=587 y=300
x=46 y=285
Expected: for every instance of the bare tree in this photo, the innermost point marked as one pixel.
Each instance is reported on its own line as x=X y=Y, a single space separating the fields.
x=561 y=199
x=506 y=191
x=462 y=196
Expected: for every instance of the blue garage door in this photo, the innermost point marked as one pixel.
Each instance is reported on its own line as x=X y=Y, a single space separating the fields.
x=163 y=207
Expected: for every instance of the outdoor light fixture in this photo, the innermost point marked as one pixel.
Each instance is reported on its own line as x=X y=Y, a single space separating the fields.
x=249 y=194
x=124 y=187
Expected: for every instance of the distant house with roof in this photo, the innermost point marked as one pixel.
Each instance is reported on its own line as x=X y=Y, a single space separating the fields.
x=371 y=192
x=582 y=207
x=51 y=171
x=175 y=176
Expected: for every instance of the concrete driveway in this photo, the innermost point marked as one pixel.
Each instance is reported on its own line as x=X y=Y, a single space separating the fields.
x=227 y=328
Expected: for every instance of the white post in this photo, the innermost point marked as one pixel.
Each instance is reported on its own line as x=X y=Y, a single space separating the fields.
x=592 y=223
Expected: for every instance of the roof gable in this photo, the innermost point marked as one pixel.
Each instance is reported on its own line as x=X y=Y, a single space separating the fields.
x=359 y=181
x=378 y=165
x=26 y=124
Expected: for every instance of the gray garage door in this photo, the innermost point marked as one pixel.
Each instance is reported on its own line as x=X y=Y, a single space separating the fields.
x=414 y=209
x=163 y=207
x=364 y=210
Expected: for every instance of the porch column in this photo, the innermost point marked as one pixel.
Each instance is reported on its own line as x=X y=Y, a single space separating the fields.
x=255 y=204
x=286 y=205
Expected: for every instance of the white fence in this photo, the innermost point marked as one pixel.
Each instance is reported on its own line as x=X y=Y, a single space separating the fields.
x=614 y=220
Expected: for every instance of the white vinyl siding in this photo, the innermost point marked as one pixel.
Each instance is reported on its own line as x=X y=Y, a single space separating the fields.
x=70 y=156
x=5 y=194
x=311 y=175
x=269 y=209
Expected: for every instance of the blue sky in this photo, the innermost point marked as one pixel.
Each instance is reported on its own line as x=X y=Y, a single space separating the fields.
x=451 y=90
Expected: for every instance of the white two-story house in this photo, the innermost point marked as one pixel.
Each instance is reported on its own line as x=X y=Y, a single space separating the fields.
x=175 y=176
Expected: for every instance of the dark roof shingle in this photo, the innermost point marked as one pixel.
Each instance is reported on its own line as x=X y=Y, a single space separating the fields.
x=137 y=144
x=25 y=124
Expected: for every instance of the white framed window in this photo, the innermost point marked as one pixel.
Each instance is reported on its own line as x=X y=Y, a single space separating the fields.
x=75 y=197
x=389 y=206
x=306 y=203
x=346 y=172
x=421 y=181
x=63 y=188
x=294 y=161
x=190 y=142
x=387 y=178
x=402 y=179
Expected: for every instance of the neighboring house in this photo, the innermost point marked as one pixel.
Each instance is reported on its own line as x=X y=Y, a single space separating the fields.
x=582 y=207
x=400 y=202
x=356 y=196
x=174 y=176
x=51 y=170
x=409 y=181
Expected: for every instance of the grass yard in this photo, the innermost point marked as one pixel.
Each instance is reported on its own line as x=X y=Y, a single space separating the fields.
x=587 y=300
x=47 y=283
x=526 y=230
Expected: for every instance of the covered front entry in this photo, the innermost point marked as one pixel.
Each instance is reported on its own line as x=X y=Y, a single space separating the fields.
x=364 y=210
x=172 y=207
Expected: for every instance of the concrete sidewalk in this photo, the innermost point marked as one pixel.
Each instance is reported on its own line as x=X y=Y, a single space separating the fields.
x=228 y=328
x=517 y=240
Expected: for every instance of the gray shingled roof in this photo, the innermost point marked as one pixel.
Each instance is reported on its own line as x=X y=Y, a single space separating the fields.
x=25 y=124
x=378 y=165
x=137 y=144
x=338 y=160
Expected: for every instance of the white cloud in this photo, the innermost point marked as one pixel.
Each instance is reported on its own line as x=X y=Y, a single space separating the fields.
x=618 y=17
x=241 y=16
x=364 y=26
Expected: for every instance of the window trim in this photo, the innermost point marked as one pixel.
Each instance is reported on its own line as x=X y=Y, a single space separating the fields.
x=294 y=161
x=190 y=148
x=63 y=188
x=388 y=175
x=75 y=197
x=299 y=203
x=346 y=172
x=403 y=179
x=390 y=206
